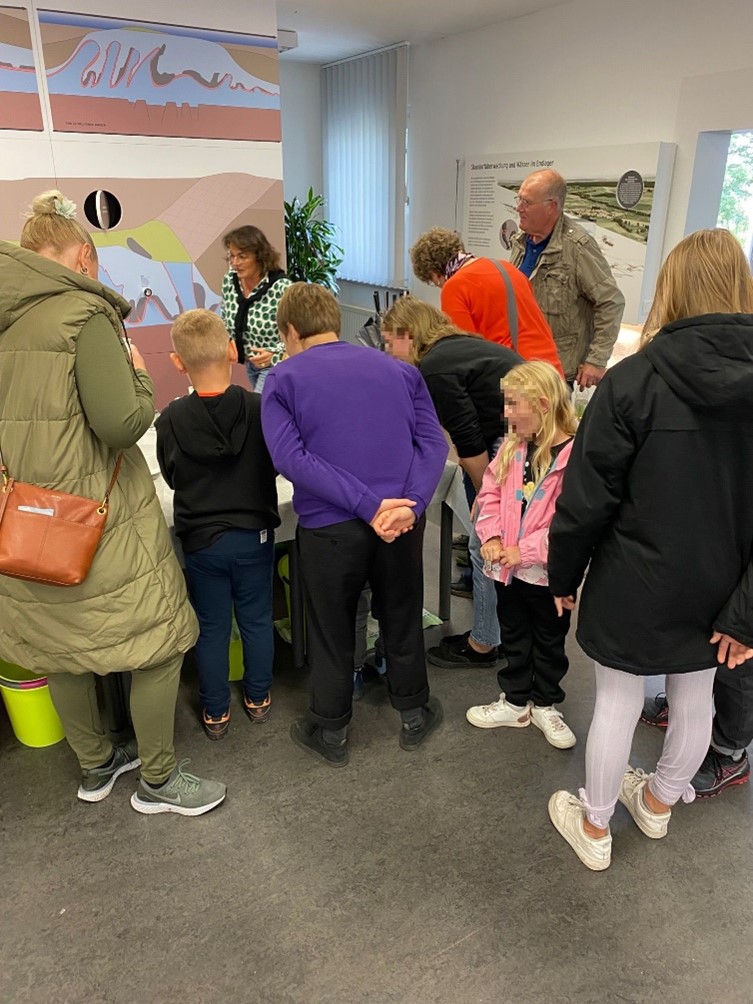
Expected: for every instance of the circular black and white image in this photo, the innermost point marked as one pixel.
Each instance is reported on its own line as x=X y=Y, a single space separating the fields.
x=629 y=190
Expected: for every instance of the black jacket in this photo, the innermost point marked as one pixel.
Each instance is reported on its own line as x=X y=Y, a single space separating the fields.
x=658 y=496
x=463 y=373
x=212 y=453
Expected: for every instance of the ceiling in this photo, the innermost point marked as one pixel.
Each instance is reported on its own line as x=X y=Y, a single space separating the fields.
x=334 y=29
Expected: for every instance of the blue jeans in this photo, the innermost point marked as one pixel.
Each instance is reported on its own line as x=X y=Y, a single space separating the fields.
x=256 y=376
x=485 y=628
x=234 y=572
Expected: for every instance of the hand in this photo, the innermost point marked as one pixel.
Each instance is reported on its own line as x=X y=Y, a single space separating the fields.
x=510 y=556
x=733 y=653
x=138 y=359
x=589 y=375
x=563 y=603
x=492 y=549
x=402 y=521
x=261 y=358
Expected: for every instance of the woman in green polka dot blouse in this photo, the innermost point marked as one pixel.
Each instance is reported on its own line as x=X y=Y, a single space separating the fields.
x=251 y=291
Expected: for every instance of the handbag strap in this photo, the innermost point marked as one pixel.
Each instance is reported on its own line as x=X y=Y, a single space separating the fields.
x=512 y=303
x=105 y=502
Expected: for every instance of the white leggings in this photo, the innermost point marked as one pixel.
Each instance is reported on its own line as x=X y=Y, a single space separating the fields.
x=619 y=702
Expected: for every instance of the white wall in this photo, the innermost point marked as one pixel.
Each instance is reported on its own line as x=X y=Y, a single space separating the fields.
x=591 y=73
x=300 y=96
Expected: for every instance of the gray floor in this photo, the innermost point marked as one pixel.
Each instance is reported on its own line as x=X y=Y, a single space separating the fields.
x=419 y=878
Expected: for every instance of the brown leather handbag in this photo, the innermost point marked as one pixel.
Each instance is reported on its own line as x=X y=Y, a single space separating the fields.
x=49 y=536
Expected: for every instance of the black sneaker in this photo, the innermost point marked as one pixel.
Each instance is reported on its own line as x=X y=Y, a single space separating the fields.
x=656 y=711
x=718 y=772
x=309 y=737
x=462 y=587
x=460 y=541
x=455 y=651
x=97 y=782
x=411 y=736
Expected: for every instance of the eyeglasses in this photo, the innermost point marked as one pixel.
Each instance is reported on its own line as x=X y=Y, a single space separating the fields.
x=239 y=257
x=520 y=201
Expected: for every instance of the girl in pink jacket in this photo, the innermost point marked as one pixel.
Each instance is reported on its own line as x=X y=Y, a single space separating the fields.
x=516 y=507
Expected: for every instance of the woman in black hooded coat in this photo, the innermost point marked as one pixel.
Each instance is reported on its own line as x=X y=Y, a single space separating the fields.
x=658 y=498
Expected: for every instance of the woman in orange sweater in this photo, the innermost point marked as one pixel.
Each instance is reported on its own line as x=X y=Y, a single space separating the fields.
x=476 y=291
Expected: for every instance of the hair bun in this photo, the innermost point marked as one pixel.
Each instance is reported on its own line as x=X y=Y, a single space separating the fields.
x=44 y=204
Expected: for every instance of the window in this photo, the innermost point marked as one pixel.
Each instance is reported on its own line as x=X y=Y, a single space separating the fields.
x=365 y=108
x=736 y=203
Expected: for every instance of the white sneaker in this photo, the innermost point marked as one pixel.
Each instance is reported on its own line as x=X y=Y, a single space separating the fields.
x=552 y=724
x=568 y=813
x=653 y=824
x=501 y=712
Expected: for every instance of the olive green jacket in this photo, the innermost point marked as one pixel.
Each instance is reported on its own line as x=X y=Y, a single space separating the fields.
x=132 y=610
x=576 y=291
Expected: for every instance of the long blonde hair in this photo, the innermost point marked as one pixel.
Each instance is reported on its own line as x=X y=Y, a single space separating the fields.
x=52 y=224
x=706 y=273
x=542 y=386
x=425 y=323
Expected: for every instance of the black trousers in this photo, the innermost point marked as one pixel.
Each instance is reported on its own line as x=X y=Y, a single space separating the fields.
x=733 y=700
x=336 y=563
x=533 y=644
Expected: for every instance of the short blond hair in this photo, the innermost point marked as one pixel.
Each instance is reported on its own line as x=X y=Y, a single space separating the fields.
x=200 y=339
x=707 y=273
x=52 y=224
x=311 y=309
x=433 y=251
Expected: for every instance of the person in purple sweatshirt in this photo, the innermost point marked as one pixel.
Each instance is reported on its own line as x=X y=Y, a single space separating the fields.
x=356 y=433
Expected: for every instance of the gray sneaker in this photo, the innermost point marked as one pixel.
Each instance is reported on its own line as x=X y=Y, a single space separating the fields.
x=183 y=793
x=97 y=782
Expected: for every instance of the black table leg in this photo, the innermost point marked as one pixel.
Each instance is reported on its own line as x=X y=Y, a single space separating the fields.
x=116 y=688
x=445 y=562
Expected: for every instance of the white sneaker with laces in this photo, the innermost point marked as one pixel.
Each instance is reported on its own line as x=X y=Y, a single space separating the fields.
x=653 y=824
x=568 y=814
x=501 y=712
x=556 y=731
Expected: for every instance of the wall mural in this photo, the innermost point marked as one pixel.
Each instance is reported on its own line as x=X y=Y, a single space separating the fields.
x=166 y=256
x=19 y=91
x=134 y=78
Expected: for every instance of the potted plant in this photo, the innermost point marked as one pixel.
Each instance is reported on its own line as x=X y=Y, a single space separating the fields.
x=312 y=253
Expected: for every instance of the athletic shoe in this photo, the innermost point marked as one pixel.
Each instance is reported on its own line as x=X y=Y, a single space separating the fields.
x=455 y=651
x=357 y=684
x=258 y=711
x=97 y=782
x=462 y=587
x=656 y=711
x=718 y=772
x=552 y=724
x=215 y=728
x=411 y=736
x=182 y=792
x=460 y=541
x=568 y=814
x=310 y=738
x=501 y=712
x=653 y=824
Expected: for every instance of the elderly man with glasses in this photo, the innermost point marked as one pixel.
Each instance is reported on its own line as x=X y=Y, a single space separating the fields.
x=571 y=279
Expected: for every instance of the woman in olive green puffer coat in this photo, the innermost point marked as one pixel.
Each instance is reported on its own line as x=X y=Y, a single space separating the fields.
x=71 y=399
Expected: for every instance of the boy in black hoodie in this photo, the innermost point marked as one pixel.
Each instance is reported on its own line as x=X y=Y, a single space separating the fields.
x=212 y=454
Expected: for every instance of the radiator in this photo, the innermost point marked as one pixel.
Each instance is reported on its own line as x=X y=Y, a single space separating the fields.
x=353 y=319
